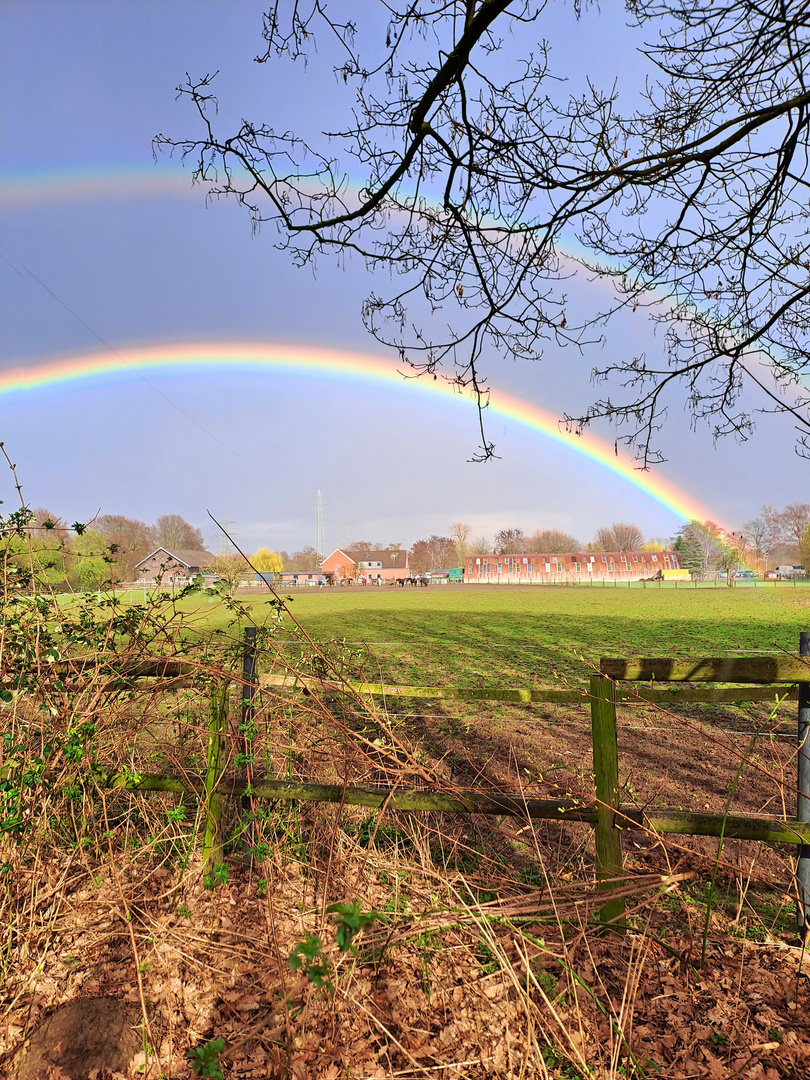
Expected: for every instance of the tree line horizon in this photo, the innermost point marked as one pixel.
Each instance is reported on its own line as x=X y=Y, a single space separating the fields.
x=108 y=547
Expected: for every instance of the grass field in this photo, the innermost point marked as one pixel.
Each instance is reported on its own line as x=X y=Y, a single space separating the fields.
x=490 y=635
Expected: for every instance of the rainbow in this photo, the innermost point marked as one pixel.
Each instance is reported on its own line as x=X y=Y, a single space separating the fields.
x=116 y=183
x=340 y=366
x=130 y=183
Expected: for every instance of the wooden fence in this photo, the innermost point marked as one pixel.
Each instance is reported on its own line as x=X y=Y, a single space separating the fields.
x=763 y=678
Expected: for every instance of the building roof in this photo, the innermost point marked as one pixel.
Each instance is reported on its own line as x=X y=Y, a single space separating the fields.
x=391 y=559
x=186 y=556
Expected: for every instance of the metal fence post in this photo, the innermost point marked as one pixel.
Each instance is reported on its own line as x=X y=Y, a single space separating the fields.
x=249 y=689
x=803 y=798
x=606 y=772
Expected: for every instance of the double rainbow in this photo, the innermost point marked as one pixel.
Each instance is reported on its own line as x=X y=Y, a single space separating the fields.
x=339 y=366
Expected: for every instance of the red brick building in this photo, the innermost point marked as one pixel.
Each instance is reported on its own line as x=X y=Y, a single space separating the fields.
x=369 y=566
x=176 y=567
x=570 y=567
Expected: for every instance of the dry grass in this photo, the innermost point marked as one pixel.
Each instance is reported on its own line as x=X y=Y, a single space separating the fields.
x=477 y=951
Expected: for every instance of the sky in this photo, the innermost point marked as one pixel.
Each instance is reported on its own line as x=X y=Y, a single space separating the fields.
x=108 y=256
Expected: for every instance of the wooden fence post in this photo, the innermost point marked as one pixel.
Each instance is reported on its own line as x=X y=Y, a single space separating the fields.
x=803 y=799
x=213 y=851
x=249 y=689
x=606 y=772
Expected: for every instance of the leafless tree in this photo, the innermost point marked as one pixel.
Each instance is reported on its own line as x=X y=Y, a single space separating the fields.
x=620 y=536
x=758 y=535
x=435 y=553
x=134 y=540
x=305 y=559
x=795 y=518
x=51 y=545
x=775 y=523
x=763 y=534
x=173 y=531
x=478 y=165
x=481 y=546
x=510 y=541
x=553 y=542
x=48 y=524
x=460 y=532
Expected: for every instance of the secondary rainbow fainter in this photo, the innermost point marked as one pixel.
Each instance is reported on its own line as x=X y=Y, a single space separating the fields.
x=127 y=183
x=305 y=361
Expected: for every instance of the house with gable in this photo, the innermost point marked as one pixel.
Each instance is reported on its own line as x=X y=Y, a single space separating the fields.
x=375 y=566
x=173 y=567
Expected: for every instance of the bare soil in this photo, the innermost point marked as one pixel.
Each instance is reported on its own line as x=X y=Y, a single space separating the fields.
x=488 y=965
x=89 y=1035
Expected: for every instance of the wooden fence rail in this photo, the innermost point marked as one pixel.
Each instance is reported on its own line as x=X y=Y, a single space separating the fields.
x=778 y=677
x=520 y=695
x=785 y=669
x=461 y=801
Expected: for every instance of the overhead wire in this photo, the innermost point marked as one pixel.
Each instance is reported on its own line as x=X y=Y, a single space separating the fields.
x=111 y=348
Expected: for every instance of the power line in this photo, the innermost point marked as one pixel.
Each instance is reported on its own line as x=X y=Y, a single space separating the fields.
x=124 y=361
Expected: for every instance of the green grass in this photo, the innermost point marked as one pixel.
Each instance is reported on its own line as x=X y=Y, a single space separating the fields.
x=535 y=636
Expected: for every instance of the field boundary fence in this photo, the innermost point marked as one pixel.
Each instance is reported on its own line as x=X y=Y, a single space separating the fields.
x=758 y=678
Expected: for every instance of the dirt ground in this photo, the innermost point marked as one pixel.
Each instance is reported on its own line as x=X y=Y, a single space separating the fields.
x=488 y=966
x=685 y=757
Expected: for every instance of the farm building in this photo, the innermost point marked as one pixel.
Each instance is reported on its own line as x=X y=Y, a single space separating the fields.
x=788 y=570
x=570 y=567
x=299 y=577
x=175 y=567
x=444 y=577
x=354 y=565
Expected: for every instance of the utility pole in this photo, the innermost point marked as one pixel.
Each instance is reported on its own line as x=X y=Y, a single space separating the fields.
x=225 y=545
x=319 y=544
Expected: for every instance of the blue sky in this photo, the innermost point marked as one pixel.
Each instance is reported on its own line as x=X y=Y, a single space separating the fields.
x=85 y=87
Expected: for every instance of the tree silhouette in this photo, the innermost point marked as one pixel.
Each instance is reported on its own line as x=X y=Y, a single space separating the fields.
x=510 y=541
x=479 y=166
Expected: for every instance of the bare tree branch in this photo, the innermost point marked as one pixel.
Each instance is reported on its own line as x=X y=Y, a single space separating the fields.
x=480 y=169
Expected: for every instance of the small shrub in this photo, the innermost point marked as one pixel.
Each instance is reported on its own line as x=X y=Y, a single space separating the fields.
x=204 y=1060
x=308 y=958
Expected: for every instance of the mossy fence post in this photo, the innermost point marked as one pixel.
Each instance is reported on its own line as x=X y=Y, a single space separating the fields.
x=249 y=689
x=606 y=772
x=803 y=798
x=213 y=850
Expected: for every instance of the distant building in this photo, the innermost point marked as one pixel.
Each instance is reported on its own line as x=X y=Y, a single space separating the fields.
x=788 y=571
x=570 y=567
x=354 y=565
x=298 y=577
x=444 y=577
x=175 y=567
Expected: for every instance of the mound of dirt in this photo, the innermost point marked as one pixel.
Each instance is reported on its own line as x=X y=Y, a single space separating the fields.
x=86 y=1039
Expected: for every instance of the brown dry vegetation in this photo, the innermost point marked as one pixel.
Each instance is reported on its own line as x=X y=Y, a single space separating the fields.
x=484 y=955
